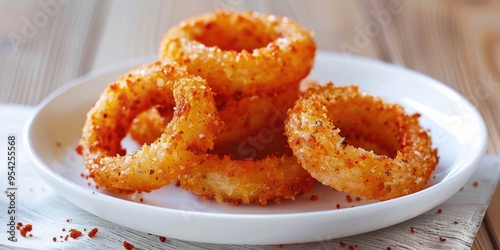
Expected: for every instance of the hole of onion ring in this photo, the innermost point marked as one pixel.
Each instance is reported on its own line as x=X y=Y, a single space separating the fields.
x=369 y=138
x=254 y=147
x=246 y=35
x=148 y=126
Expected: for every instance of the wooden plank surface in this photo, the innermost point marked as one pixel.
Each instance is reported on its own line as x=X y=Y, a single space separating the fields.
x=44 y=44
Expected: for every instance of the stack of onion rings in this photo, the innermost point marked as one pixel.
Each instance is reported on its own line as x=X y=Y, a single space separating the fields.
x=339 y=136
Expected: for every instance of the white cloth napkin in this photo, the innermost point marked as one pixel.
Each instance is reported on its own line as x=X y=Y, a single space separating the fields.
x=451 y=225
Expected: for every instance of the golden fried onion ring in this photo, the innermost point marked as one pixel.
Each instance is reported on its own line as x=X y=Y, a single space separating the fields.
x=241 y=53
x=314 y=129
x=190 y=132
x=248 y=181
x=228 y=175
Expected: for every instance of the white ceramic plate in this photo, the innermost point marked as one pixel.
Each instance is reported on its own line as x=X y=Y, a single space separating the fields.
x=457 y=129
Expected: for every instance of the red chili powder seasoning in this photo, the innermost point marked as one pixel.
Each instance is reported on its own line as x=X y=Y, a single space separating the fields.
x=442 y=239
x=26 y=229
x=93 y=232
x=127 y=245
x=73 y=233
x=348 y=198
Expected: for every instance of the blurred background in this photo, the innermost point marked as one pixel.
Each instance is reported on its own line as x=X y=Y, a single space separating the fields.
x=46 y=43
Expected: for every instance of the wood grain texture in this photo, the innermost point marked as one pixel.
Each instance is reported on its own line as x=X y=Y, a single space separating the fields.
x=46 y=43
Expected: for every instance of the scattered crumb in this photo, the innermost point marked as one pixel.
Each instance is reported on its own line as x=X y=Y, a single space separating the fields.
x=348 y=198
x=26 y=229
x=163 y=239
x=442 y=239
x=79 y=149
x=68 y=220
x=93 y=232
x=314 y=197
x=141 y=200
x=127 y=245
x=412 y=230
x=342 y=244
x=66 y=238
x=58 y=144
x=455 y=222
x=178 y=184
x=73 y=233
x=475 y=184
x=338 y=206
x=280 y=245
x=388 y=248
x=358 y=198
x=440 y=211
x=54 y=239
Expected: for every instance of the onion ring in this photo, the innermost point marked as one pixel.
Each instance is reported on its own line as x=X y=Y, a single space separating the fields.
x=190 y=133
x=314 y=129
x=275 y=177
x=241 y=54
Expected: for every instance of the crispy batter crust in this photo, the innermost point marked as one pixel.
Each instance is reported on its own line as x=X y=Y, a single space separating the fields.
x=246 y=181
